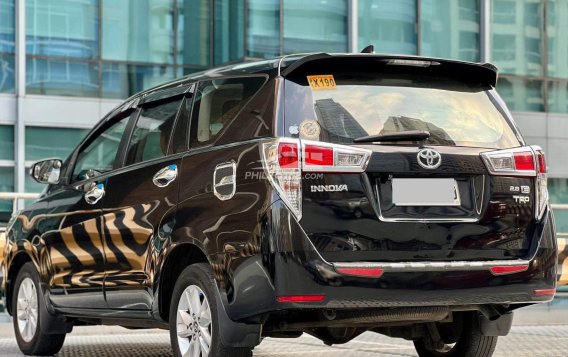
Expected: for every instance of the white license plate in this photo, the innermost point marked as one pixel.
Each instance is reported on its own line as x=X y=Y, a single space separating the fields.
x=425 y=192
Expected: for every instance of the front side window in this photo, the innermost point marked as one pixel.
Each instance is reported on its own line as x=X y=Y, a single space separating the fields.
x=151 y=137
x=217 y=103
x=98 y=156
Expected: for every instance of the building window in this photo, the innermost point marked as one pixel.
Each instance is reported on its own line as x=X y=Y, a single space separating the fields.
x=138 y=31
x=6 y=185
x=43 y=142
x=315 y=26
x=62 y=44
x=521 y=95
x=194 y=32
x=7 y=36
x=62 y=28
x=450 y=29
x=517 y=37
x=122 y=79
x=263 y=28
x=557 y=17
x=558 y=96
x=229 y=31
x=57 y=76
x=389 y=25
x=6 y=142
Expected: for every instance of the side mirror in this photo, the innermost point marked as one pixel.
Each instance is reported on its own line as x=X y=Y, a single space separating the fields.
x=46 y=171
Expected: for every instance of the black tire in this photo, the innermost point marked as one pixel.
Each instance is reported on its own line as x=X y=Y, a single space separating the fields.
x=41 y=344
x=470 y=343
x=200 y=275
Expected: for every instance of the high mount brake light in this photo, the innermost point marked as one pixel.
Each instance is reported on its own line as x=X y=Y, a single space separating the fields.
x=285 y=159
x=528 y=161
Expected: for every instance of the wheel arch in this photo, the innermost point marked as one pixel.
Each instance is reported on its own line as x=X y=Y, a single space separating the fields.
x=177 y=260
x=16 y=264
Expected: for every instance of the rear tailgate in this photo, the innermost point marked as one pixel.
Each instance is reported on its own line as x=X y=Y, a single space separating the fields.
x=387 y=212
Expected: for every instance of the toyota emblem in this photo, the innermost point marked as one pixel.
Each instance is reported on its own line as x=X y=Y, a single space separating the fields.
x=429 y=158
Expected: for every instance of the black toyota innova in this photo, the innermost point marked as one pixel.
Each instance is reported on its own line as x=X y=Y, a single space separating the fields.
x=320 y=194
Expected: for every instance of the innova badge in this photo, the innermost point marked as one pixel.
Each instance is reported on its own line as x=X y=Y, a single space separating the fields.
x=429 y=159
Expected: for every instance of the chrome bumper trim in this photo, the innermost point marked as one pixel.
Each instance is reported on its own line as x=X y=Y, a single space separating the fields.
x=432 y=266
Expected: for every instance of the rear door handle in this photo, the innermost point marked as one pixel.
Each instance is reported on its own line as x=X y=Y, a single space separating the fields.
x=165 y=176
x=95 y=193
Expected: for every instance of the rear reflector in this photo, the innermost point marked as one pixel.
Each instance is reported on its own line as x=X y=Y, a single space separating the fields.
x=363 y=272
x=508 y=269
x=300 y=298
x=545 y=292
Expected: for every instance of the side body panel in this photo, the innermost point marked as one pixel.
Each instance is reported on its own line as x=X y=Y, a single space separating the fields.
x=138 y=218
x=73 y=238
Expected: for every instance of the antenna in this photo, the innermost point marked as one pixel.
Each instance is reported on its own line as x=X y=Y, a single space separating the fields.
x=369 y=49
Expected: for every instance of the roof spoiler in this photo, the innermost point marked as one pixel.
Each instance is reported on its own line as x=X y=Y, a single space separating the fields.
x=486 y=73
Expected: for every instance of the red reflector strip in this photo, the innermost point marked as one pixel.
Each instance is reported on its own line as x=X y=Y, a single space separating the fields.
x=508 y=269
x=300 y=298
x=524 y=161
x=545 y=292
x=366 y=272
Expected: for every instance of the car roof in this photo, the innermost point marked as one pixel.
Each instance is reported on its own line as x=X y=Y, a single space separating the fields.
x=286 y=64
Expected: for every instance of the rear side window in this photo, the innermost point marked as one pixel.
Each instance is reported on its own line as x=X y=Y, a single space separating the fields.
x=350 y=105
x=151 y=136
x=216 y=104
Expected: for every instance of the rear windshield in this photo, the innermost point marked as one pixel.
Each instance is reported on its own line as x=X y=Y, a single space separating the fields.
x=339 y=107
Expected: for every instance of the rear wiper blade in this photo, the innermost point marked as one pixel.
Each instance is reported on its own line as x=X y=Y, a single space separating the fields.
x=413 y=135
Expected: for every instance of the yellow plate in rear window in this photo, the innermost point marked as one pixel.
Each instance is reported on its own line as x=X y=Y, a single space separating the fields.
x=324 y=81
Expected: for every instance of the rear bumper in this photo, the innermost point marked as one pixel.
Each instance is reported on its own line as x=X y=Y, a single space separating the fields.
x=289 y=265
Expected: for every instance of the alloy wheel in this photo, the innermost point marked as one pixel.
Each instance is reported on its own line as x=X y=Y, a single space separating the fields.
x=194 y=327
x=27 y=309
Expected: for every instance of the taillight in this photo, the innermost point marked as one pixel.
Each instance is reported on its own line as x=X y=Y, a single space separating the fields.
x=523 y=161
x=318 y=155
x=541 y=182
x=285 y=159
x=288 y=155
x=511 y=162
x=541 y=161
x=325 y=157
x=281 y=162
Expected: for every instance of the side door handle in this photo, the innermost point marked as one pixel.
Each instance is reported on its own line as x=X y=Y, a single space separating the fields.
x=95 y=193
x=165 y=176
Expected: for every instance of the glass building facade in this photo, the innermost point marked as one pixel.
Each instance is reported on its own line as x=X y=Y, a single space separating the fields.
x=100 y=51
